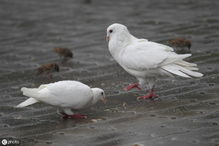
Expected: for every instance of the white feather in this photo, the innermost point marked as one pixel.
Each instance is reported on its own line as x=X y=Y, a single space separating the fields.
x=27 y=102
x=64 y=94
x=146 y=59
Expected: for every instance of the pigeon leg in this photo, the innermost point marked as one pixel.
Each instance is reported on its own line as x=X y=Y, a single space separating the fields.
x=129 y=87
x=150 y=95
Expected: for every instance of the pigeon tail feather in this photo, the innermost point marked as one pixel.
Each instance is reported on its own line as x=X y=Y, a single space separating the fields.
x=27 y=102
x=30 y=92
x=183 y=71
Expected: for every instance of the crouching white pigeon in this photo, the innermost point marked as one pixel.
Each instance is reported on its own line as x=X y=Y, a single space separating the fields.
x=66 y=95
x=146 y=60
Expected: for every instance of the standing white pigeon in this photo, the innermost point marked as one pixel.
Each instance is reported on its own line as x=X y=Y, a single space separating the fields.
x=66 y=95
x=146 y=60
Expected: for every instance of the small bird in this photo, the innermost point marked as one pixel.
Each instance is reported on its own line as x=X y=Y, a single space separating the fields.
x=48 y=69
x=146 y=60
x=180 y=44
x=64 y=53
x=66 y=95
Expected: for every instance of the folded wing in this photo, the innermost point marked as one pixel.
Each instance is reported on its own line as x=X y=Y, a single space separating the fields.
x=150 y=55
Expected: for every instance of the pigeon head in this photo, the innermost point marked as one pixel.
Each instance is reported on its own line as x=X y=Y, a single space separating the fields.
x=98 y=95
x=116 y=29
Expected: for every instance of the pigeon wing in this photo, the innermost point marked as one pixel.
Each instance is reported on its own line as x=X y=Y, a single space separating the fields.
x=149 y=55
x=143 y=56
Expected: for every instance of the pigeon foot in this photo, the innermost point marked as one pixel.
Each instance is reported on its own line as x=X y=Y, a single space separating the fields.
x=148 y=96
x=75 y=116
x=129 y=87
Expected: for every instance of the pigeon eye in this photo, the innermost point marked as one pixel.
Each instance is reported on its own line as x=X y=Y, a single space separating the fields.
x=101 y=93
x=110 y=31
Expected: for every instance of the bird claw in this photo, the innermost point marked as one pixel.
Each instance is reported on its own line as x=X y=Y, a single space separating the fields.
x=149 y=96
x=129 y=87
x=79 y=116
x=75 y=116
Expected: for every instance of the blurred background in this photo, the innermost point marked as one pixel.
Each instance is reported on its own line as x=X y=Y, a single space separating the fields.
x=187 y=110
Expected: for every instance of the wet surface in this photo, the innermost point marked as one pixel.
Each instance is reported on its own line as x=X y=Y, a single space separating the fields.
x=186 y=112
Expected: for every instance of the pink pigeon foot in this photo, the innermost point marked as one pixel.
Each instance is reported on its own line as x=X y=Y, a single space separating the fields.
x=148 y=96
x=75 y=116
x=129 y=87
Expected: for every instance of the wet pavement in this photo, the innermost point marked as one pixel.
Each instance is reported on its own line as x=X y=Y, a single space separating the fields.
x=186 y=112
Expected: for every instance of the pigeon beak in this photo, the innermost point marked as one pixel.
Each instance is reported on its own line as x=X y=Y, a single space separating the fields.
x=104 y=100
x=107 y=38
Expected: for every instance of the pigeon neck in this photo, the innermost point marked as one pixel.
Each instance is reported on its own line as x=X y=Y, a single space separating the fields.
x=94 y=101
x=124 y=39
x=95 y=97
x=120 y=42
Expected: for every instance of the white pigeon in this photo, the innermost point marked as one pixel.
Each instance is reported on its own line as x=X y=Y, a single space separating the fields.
x=146 y=60
x=66 y=95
